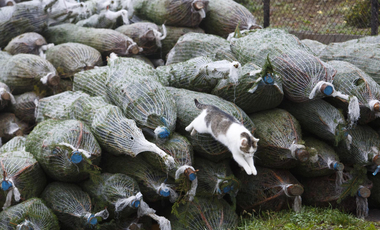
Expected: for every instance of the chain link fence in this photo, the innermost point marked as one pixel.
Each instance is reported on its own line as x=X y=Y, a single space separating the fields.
x=323 y=20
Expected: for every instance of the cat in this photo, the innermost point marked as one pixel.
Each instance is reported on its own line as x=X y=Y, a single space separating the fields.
x=227 y=130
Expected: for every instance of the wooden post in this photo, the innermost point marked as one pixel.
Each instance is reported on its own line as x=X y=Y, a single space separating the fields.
x=266 y=13
x=374 y=17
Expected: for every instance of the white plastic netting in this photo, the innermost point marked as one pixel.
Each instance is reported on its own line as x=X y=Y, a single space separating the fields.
x=204 y=213
x=66 y=149
x=30 y=214
x=24 y=106
x=216 y=179
x=152 y=182
x=65 y=10
x=351 y=80
x=315 y=46
x=72 y=206
x=188 y=13
x=224 y=16
x=363 y=53
x=105 y=19
x=17 y=143
x=363 y=148
x=193 y=45
x=323 y=160
x=26 y=43
x=273 y=190
x=21 y=18
x=92 y=82
x=22 y=71
x=304 y=76
x=70 y=58
x=280 y=138
x=320 y=118
x=140 y=97
x=21 y=176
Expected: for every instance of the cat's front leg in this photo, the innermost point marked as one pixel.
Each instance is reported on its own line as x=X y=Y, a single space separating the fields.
x=249 y=160
x=242 y=162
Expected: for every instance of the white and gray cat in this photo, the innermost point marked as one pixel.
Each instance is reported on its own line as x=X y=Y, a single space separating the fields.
x=227 y=130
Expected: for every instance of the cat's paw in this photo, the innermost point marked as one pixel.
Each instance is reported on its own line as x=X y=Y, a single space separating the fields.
x=188 y=128
x=193 y=132
x=254 y=171
x=248 y=171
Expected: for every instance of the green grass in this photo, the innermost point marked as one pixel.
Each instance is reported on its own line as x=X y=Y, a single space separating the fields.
x=308 y=218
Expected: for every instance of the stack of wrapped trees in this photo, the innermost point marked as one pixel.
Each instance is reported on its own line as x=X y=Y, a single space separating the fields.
x=96 y=99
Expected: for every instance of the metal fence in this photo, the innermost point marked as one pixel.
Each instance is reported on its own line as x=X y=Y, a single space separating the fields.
x=323 y=20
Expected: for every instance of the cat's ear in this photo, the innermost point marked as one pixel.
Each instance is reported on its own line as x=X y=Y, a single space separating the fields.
x=244 y=142
x=254 y=140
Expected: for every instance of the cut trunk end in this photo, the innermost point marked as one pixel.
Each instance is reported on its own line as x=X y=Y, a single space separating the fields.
x=376 y=107
x=6 y=96
x=364 y=192
x=295 y=190
x=53 y=80
x=40 y=42
x=133 y=49
x=302 y=155
x=198 y=5
x=376 y=160
x=76 y=157
x=189 y=173
x=136 y=203
x=327 y=89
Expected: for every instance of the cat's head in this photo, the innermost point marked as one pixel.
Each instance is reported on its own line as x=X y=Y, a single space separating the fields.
x=248 y=143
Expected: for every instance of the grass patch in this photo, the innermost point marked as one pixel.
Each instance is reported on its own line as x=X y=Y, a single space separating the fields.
x=308 y=218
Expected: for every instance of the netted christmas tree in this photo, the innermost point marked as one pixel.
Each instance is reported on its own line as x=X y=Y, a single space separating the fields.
x=319 y=118
x=153 y=183
x=92 y=82
x=224 y=16
x=204 y=144
x=271 y=189
x=72 y=205
x=140 y=97
x=105 y=41
x=216 y=179
x=281 y=144
x=204 y=213
x=254 y=90
x=193 y=45
x=30 y=214
x=315 y=46
x=21 y=18
x=182 y=152
x=17 y=143
x=24 y=72
x=29 y=43
x=24 y=106
x=11 y=126
x=362 y=54
x=70 y=58
x=113 y=131
x=6 y=96
x=322 y=160
x=67 y=150
x=350 y=196
x=21 y=177
x=353 y=81
x=173 y=33
x=118 y=192
x=147 y=35
x=304 y=76
x=363 y=148
x=188 y=13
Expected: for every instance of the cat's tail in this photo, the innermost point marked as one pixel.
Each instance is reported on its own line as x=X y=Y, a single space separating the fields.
x=199 y=105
